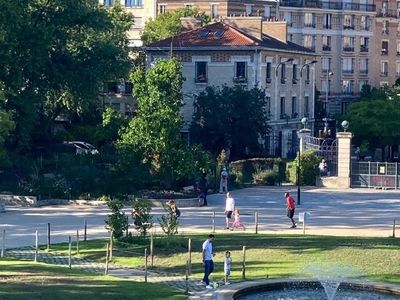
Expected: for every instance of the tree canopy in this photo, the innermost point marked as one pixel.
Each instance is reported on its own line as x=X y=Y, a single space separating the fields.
x=376 y=118
x=230 y=117
x=168 y=24
x=55 y=56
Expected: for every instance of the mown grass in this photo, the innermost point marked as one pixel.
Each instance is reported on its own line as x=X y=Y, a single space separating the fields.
x=271 y=256
x=28 y=280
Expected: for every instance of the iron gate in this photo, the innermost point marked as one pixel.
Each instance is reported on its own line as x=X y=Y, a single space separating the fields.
x=382 y=175
x=325 y=149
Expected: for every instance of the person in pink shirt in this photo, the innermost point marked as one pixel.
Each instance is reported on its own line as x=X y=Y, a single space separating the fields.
x=290 y=208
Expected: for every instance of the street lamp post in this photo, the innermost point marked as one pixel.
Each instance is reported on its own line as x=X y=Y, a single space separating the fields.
x=328 y=74
x=304 y=121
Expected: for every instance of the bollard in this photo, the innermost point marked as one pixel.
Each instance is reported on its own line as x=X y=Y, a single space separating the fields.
x=3 y=243
x=256 y=221
x=48 y=236
x=394 y=228
x=111 y=245
x=127 y=226
x=187 y=277
x=77 y=241
x=244 y=264
x=189 y=261
x=36 y=245
x=151 y=250
x=213 y=222
x=304 y=224
x=85 y=230
x=69 y=251
x=145 y=264
x=107 y=258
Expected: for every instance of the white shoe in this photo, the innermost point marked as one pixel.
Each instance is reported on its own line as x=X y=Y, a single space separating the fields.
x=201 y=282
x=227 y=283
x=209 y=287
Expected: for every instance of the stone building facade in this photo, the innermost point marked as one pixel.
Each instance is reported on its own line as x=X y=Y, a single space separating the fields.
x=258 y=54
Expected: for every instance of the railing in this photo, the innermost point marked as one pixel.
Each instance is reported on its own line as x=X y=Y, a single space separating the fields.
x=363 y=49
x=348 y=49
x=240 y=79
x=328 y=5
x=382 y=175
x=326 y=48
x=392 y=13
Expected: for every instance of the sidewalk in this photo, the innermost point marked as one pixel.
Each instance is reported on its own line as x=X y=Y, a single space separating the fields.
x=172 y=280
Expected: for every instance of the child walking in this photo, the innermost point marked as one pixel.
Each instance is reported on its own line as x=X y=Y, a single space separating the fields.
x=227 y=267
x=237 y=223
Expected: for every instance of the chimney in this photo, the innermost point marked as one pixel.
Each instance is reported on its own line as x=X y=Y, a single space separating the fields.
x=191 y=23
x=275 y=29
x=249 y=25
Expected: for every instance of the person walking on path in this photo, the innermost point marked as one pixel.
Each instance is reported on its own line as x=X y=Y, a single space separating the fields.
x=203 y=189
x=237 y=223
x=229 y=208
x=227 y=266
x=223 y=184
x=290 y=208
x=208 y=253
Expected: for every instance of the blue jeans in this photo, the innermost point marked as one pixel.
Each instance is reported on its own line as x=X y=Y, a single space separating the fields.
x=208 y=269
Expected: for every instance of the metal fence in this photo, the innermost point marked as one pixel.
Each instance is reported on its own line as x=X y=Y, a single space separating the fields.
x=325 y=149
x=382 y=175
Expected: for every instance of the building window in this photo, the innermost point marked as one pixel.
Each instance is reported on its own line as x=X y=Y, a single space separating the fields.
x=384 y=8
x=384 y=68
x=294 y=107
x=307 y=74
x=365 y=23
x=348 y=43
x=214 y=11
x=201 y=72
x=326 y=42
x=109 y=3
x=249 y=9
x=328 y=21
x=364 y=41
x=326 y=64
x=362 y=83
x=385 y=27
x=385 y=47
x=267 y=11
x=283 y=104
x=347 y=65
x=240 y=71
x=268 y=73
x=364 y=65
x=348 y=22
x=294 y=78
x=161 y=9
x=309 y=20
x=347 y=87
x=133 y=3
x=306 y=106
x=309 y=42
x=283 y=73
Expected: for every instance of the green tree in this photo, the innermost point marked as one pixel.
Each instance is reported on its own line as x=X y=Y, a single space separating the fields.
x=55 y=57
x=117 y=222
x=112 y=122
x=7 y=125
x=168 y=24
x=142 y=219
x=230 y=117
x=154 y=134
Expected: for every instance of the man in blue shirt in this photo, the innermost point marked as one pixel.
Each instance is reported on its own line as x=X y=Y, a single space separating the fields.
x=208 y=253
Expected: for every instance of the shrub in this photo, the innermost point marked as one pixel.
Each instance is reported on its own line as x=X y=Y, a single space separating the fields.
x=117 y=222
x=142 y=219
x=245 y=169
x=169 y=222
x=308 y=168
x=267 y=177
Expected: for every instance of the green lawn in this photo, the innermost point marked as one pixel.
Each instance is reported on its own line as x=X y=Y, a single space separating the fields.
x=271 y=256
x=28 y=280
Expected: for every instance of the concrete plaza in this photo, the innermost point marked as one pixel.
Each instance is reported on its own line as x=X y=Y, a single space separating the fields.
x=350 y=212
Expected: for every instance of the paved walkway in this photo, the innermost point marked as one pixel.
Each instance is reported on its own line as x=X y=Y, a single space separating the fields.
x=193 y=286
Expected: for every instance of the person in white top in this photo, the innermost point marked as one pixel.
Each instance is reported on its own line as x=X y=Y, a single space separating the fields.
x=227 y=266
x=208 y=263
x=229 y=208
x=223 y=184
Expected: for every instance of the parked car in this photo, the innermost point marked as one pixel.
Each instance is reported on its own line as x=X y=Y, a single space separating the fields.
x=82 y=147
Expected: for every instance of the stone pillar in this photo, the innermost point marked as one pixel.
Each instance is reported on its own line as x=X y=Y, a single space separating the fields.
x=302 y=133
x=344 y=158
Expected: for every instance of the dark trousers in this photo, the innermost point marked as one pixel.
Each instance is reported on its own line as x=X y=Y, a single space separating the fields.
x=208 y=269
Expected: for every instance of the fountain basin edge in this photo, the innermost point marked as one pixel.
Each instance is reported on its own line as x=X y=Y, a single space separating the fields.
x=233 y=291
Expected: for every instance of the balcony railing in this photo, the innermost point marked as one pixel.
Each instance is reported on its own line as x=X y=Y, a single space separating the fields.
x=268 y=80
x=384 y=51
x=326 y=48
x=312 y=25
x=200 y=79
x=348 y=27
x=347 y=72
x=240 y=79
x=364 y=72
x=384 y=73
x=390 y=13
x=363 y=48
x=348 y=48
x=328 y=5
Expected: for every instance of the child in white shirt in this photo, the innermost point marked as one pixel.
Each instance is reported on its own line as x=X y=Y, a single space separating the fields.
x=227 y=266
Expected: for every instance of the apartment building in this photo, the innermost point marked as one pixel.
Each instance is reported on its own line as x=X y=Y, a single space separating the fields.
x=248 y=51
x=386 y=51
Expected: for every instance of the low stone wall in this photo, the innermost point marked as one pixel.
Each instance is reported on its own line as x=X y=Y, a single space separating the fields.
x=6 y=199
x=45 y=202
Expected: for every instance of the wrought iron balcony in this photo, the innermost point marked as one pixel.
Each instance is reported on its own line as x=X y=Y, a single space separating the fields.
x=328 y=5
x=326 y=48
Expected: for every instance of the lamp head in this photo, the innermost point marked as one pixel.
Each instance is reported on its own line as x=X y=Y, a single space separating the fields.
x=289 y=60
x=345 y=124
x=314 y=62
x=304 y=121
